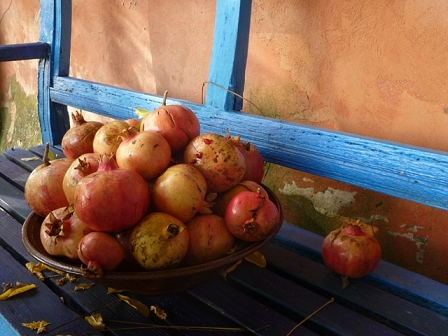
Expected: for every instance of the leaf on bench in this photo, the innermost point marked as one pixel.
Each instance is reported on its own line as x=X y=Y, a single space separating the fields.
x=36 y=325
x=20 y=288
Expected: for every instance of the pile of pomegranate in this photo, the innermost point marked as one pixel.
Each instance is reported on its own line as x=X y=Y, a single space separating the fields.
x=149 y=193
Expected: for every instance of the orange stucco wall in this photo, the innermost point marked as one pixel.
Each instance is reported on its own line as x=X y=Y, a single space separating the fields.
x=376 y=68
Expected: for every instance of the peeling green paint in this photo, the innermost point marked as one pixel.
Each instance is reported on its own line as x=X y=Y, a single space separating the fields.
x=327 y=202
x=19 y=122
x=298 y=209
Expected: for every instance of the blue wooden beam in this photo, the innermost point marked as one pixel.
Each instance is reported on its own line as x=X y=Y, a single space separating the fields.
x=229 y=54
x=391 y=168
x=55 y=30
x=24 y=51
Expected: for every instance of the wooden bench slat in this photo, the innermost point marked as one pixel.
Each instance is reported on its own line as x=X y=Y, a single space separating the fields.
x=360 y=295
x=12 y=173
x=13 y=201
x=23 y=158
x=299 y=302
x=40 y=149
x=244 y=310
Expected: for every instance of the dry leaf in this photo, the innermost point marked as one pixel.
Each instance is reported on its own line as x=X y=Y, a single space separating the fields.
x=37 y=325
x=36 y=269
x=96 y=321
x=61 y=281
x=71 y=278
x=140 y=307
x=39 y=268
x=6 y=286
x=20 y=288
x=32 y=158
x=141 y=113
x=83 y=286
x=111 y=290
x=160 y=313
x=53 y=269
x=257 y=258
x=230 y=269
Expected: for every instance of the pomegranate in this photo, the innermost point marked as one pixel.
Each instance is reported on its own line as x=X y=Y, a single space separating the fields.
x=134 y=122
x=61 y=232
x=180 y=191
x=111 y=199
x=99 y=251
x=84 y=165
x=176 y=123
x=147 y=153
x=210 y=239
x=254 y=159
x=159 y=241
x=351 y=252
x=43 y=188
x=222 y=200
x=217 y=158
x=106 y=139
x=250 y=216
x=78 y=139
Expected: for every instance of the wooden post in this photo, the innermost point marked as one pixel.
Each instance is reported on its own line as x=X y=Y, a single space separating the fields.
x=56 y=31
x=229 y=54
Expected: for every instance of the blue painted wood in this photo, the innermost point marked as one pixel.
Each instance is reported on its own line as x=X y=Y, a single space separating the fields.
x=36 y=305
x=229 y=54
x=361 y=295
x=399 y=281
x=23 y=51
x=55 y=29
x=249 y=312
x=13 y=201
x=391 y=168
x=300 y=302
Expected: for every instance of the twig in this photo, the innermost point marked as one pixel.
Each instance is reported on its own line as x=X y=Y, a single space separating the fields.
x=311 y=315
x=83 y=316
x=223 y=88
x=141 y=326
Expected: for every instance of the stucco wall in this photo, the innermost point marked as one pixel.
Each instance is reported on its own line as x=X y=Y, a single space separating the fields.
x=376 y=68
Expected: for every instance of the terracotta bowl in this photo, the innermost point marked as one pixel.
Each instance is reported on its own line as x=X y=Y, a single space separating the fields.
x=143 y=282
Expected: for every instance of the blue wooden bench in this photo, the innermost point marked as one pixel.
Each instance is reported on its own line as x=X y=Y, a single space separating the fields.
x=271 y=301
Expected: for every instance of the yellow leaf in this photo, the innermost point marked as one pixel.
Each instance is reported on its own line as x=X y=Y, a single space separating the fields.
x=53 y=269
x=111 y=290
x=71 y=277
x=230 y=269
x=61 y=281
x=141 y=113
x=35 y=269
x=32 y=158
x=257 y=258
x=39 y=268
x=96 y=321
x=160 y=313
x=36 y=325
x=140 y=307
x=20 y=288
x=83 y=286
